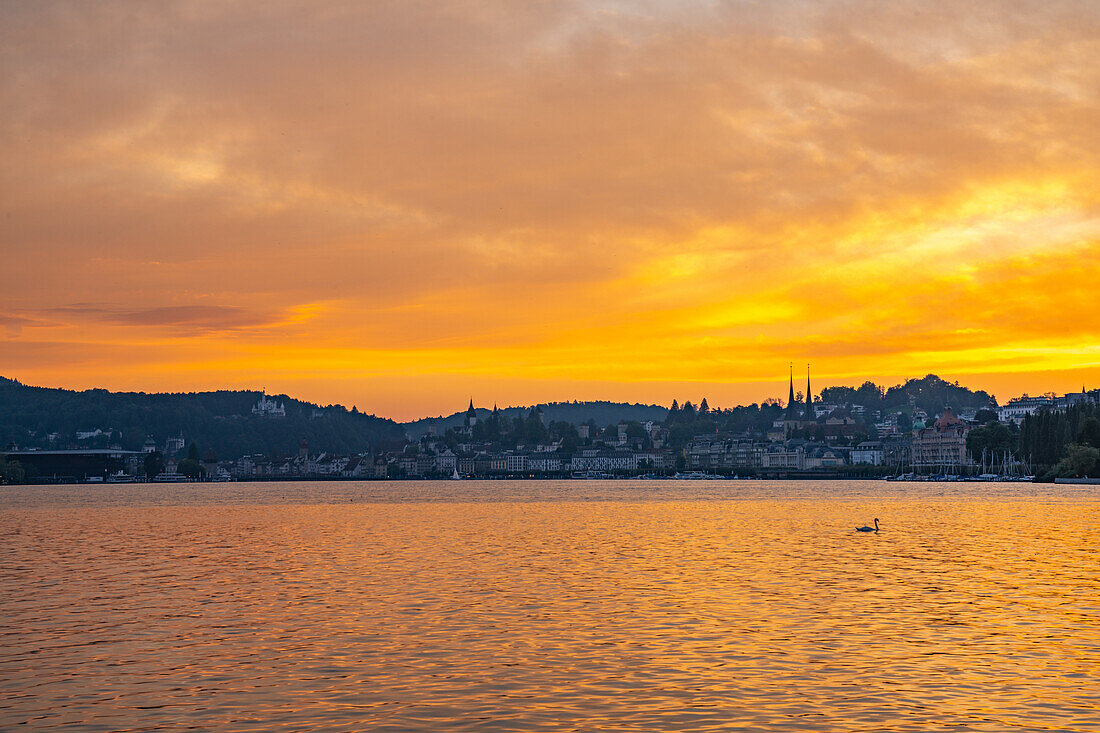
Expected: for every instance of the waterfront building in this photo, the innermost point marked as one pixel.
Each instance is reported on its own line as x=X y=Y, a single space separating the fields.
x=77 y=465
x=651 y=460
x=941 y=446
x=544 y=462
x=868 y=453
x=515 y=462
x=446 y=462
x=780 y=455
x=819 y=456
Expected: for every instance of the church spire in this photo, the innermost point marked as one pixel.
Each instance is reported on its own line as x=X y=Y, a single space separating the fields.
x=810 y=414
x=790 y=400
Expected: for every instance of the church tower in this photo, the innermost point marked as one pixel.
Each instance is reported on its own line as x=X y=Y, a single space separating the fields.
x=471 y=415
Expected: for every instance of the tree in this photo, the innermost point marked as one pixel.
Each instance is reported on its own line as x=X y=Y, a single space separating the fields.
x=11 y=472
x=536 y=429
x=192 y=452
x=1080 y=460
x=1089 y=433
x=154 y=464
x=190 y=468
x=985 y=416
x=992 y=440
x=704 y=408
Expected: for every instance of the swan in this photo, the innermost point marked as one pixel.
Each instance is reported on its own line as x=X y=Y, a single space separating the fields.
x=869 y=529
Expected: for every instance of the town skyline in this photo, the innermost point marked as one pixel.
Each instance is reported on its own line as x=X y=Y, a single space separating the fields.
x=686 y=392
x=928 y=425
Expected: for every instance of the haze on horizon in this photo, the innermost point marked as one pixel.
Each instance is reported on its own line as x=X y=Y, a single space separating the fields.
x=400 y=205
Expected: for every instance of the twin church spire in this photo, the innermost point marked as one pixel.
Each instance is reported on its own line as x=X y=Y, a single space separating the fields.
x=792 y=410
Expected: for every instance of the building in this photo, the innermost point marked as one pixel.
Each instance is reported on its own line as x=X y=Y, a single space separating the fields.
x=819 y=456
x=544 y=462
x=172 y=446
x=778 y=455
x=75 y=465
x=267 y=407
x=1015 y=409
x=446 y=462
x=868 y=453
x=1069 y=399
x=652 y=460
x=942 y=446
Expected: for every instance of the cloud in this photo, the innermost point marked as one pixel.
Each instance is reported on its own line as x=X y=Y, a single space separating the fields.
x=180 y=319
x=579 y=187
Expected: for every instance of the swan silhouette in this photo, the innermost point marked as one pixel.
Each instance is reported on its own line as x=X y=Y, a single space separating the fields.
x=869 y=529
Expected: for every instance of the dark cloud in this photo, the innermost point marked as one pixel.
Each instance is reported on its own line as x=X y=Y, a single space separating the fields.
x=184 y=319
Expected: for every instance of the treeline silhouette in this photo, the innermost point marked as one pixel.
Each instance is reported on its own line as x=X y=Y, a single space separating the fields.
x=598 y=412
x=222 y=421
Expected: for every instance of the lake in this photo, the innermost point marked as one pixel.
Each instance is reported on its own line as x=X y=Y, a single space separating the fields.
x=547 y=605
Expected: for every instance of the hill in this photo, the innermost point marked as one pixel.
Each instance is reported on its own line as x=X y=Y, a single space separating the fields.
x=223 y=421
x=930 y=393
x=601 y=412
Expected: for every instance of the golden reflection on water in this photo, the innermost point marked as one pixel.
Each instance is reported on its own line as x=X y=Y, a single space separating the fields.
x=685 y=614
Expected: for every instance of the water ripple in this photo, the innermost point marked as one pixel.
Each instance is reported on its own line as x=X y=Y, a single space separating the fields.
x=632 y=606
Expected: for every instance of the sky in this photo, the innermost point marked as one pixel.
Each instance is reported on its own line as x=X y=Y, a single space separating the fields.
x=403 y=205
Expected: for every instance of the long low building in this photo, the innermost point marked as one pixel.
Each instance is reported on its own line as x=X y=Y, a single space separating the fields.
x=81 y=465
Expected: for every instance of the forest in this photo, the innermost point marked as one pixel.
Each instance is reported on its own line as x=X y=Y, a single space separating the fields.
x=222 y=421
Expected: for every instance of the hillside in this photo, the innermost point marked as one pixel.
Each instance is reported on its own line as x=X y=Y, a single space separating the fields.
x=601 y=412
x=222 y=421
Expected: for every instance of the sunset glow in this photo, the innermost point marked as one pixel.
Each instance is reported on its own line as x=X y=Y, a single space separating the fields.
x=400 y=205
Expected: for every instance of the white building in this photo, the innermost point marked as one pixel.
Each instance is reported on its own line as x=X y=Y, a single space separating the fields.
x=868 y=453
x=1015 y=409
x=446 y=462
x=266 y=407
x=544 y=462
x=174 y=445
x=515 y=462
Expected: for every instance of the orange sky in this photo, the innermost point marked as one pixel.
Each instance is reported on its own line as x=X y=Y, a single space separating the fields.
x=400 y=205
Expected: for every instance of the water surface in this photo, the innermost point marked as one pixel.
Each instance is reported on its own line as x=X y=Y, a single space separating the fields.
x=526 y=606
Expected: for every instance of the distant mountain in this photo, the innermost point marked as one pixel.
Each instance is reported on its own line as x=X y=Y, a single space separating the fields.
x=602 y=412
x=222 y=421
